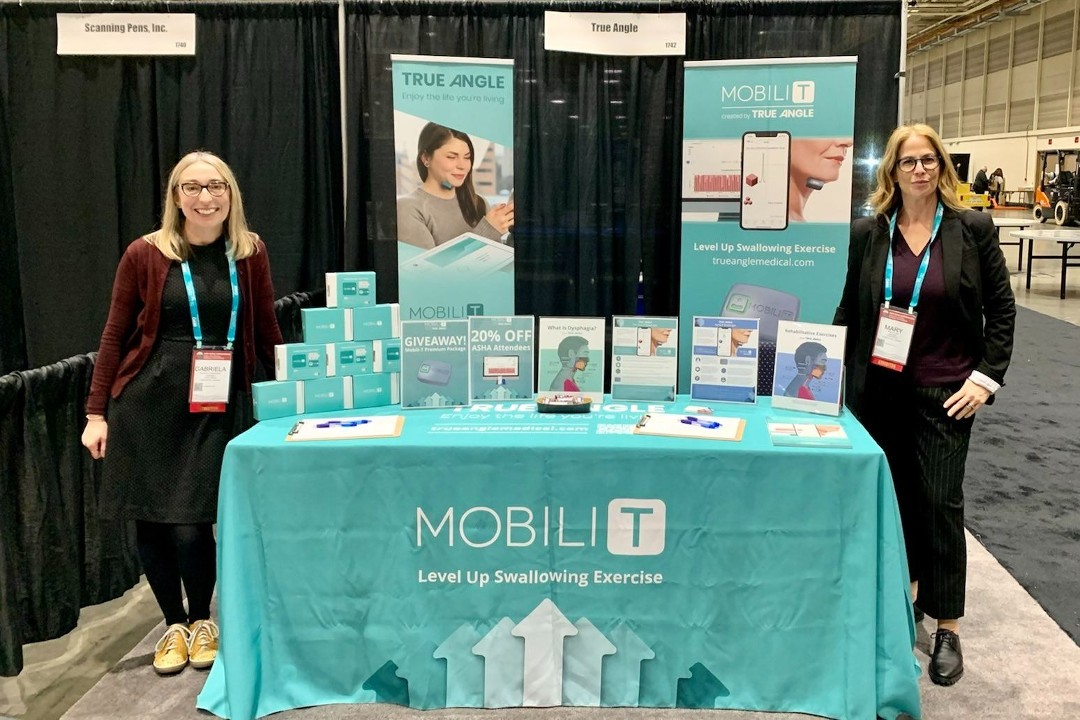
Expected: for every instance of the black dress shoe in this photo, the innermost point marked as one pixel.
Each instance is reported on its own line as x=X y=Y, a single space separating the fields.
x=947 y=661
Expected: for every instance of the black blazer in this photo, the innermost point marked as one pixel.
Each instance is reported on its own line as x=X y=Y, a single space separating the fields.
x=976 y=283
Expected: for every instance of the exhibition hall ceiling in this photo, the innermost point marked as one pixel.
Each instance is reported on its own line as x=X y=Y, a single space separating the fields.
x=931 y=22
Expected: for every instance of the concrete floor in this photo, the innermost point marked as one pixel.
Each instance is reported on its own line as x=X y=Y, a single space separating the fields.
x=58 y=672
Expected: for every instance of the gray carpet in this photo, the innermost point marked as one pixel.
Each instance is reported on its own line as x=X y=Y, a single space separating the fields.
x=1022 y=489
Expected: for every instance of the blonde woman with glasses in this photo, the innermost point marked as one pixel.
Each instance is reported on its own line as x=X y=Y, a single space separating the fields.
x=192 y=310
x=930 y=316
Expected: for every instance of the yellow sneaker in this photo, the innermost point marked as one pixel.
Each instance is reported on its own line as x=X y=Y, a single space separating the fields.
x=203 y=643
x=171 y=651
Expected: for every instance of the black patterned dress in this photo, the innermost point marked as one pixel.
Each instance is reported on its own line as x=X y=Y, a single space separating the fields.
x=162 y=462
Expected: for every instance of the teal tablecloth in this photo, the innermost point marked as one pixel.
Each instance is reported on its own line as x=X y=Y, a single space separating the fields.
x=494 y=556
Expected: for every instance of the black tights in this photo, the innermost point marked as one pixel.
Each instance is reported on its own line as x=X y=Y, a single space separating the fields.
x=172 y=554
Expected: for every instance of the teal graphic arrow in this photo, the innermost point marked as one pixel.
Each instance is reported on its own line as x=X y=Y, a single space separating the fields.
x=387 y=686
x=583 y=658
x=504 y=658
x=544 y=630
x=701 y=690
x=622 y=671
x=659 y=678
x=464 y=670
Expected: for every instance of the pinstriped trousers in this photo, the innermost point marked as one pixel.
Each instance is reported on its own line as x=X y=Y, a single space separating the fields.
x=926 y=451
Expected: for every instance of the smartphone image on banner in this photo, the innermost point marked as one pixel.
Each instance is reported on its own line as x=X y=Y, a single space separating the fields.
x=644 y=341
x=766 y=164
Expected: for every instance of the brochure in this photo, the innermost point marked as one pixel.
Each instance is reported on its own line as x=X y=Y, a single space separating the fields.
x=571 y=357
x=705 y=427
x=644 y=358
x=434 y=363
x=796 y=432
x=809 y=369
x=501 y=357
x=346 y=428
x=724 y=365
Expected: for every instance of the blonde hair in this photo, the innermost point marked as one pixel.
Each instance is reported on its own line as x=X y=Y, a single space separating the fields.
x=886 y=196
x=170 y=240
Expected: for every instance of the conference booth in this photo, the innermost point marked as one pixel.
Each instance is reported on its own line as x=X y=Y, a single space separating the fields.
x=447 y=566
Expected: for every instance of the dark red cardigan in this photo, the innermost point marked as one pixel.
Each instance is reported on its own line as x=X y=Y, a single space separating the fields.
x=135 y=311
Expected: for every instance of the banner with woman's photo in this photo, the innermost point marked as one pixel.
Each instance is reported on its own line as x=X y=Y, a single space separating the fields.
x=454 y=155
x=766 y=195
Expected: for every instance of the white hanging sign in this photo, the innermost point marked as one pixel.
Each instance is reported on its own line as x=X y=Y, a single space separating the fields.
x=616 y=33
x=125 y=33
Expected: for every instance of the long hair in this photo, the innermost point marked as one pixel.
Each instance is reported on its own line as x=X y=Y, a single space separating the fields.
x=170 y=238
x=433 y=137
x=885 y=199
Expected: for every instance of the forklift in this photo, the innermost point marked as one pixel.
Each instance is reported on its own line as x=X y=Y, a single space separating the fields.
x=1057 y=187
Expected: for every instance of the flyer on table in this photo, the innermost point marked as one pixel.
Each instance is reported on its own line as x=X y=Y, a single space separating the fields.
x=571 y=355
x=644 y=358
x=454 y=168
x=809 y=367
x=501 y=357
x=724 y=366
x=434 y=363
x=766 y=193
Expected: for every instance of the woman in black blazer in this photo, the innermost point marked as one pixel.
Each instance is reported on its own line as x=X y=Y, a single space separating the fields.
x=930 y=315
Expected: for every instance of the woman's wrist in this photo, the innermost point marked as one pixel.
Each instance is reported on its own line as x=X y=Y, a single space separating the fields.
x=92 y=417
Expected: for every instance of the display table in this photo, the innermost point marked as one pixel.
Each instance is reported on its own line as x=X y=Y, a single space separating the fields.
x=1017 y=223
x=493 y=556
x=1066 y=238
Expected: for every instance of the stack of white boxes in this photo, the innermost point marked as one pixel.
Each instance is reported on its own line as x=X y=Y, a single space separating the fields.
x=350 y=357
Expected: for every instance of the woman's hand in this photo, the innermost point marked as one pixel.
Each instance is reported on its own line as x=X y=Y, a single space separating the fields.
x=964 y=402
x=94 y=436
x=501 y=217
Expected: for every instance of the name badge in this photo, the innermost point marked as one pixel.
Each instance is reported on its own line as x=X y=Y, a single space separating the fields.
x=892 y=341
x=211 y=372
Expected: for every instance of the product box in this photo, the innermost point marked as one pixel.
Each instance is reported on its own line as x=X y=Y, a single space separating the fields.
x=387 y=355
x=351 y=358
x=375 y=390
x=277 y=399
x=350 y=289
x=326 y=394
x=299 y=361
x=326 y=325
x=377 y=322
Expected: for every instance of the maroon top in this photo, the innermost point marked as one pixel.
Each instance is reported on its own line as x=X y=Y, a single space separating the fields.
x=937 y=357
x=135 y=311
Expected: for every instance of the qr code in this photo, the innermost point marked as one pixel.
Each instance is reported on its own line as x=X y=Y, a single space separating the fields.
x=612 y=429
x=197 y=387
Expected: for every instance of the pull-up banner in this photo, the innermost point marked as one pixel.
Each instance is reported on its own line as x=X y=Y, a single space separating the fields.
x=766 y=195
x=454 y=155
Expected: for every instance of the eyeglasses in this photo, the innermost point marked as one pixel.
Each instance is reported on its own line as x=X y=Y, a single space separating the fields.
x=216 y=188
x=928 y=162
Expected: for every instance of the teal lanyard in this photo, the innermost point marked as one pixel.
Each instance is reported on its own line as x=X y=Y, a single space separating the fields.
x=196 y=326
x=922 y=266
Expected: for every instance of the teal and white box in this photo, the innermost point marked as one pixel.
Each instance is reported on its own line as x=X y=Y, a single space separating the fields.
x=387 y=355
x=326 y=325
x=375 y=390
x=351 y=358
x=350 y=289
x=277 y=399
x=326 y=394
x=299 y=361
x=377 y=322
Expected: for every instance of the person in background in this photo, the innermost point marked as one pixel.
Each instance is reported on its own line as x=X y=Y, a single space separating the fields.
x=997 y=185
x=924 y=251
x=446 y=204
x=201 y=281
x=981 y=184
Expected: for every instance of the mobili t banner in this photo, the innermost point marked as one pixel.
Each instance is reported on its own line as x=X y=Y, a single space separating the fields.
x=453 y=138
x=766 y=195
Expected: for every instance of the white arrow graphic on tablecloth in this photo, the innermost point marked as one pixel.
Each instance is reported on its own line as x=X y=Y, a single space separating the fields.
x=583 y=661
x=464 y=669
x=504 y=656
x=544 y=631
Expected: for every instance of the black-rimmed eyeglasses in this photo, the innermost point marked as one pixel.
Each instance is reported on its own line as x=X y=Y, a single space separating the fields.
x=928 y=162
x=216 y=188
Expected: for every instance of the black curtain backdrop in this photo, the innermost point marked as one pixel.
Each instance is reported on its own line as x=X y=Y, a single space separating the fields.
x=598 y=140
x=91 y=140
x=12 y=327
